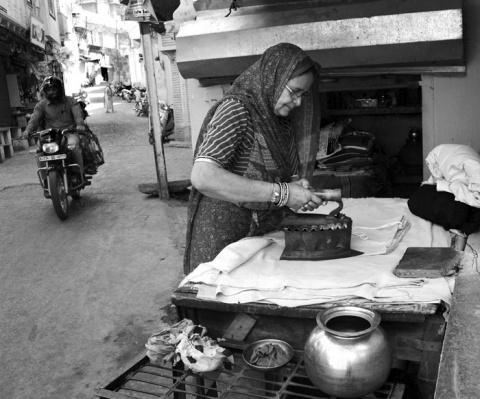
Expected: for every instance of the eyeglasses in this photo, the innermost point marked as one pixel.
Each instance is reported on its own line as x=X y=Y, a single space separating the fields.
x=296 y=94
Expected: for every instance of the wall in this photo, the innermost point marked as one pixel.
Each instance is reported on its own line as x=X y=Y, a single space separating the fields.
x=137 y=68
x=51 y=22
x=17 y=11
x=451 y=113
x=201 y=99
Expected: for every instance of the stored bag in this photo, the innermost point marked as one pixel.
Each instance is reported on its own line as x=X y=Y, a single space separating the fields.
x=91 y=149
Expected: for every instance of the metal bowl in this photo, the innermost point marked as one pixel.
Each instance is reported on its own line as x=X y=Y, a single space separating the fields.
x=248 y=352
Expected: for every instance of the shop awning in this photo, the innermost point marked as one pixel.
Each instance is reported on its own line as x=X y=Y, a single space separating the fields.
x=88 y=59
x=359 y=37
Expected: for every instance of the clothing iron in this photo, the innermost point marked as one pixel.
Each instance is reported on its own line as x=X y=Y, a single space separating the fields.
x=318 y=237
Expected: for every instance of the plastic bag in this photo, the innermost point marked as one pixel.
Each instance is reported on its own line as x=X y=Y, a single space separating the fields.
x=187 y=342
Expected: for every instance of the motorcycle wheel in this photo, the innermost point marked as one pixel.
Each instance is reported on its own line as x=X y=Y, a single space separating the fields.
x=138 y=112
x=129 y=100
x=58 y=194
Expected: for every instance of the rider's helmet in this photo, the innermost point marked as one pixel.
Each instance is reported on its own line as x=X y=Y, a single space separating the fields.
x=52 y=87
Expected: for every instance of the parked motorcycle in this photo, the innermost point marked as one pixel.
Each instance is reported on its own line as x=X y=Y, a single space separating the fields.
x=119 y=87
x=63 y=177
x=167 y=120
x=128 y=95
x=82 y=96
x=141 y=106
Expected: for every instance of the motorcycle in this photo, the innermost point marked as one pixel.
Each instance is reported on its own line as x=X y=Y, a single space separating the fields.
x=141 y=106
x=63 y=177
x=82 y=96
x=167 y=120
x=128 y=95
x=118 y=88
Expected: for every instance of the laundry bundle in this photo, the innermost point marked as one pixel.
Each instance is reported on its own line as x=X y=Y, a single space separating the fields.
x=451 y=196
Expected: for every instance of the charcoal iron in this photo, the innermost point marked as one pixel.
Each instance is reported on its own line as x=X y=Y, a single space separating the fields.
x=316 y=236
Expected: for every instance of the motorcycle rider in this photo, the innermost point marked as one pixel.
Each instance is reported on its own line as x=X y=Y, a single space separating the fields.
x=57 y=110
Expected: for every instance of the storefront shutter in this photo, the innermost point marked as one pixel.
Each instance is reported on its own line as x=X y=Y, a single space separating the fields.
x=180 y=106
x=5 y=110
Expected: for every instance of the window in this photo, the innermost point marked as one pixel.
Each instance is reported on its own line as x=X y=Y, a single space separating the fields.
x=51 y=9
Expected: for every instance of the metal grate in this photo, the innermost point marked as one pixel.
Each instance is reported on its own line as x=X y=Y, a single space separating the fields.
x=147 y=381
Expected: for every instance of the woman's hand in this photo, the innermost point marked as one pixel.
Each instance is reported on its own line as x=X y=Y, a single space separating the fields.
x=302 y=196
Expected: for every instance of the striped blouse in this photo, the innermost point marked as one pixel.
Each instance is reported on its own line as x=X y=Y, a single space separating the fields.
x=229 y=139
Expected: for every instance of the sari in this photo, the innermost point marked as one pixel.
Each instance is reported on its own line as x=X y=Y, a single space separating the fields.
x=213 y=224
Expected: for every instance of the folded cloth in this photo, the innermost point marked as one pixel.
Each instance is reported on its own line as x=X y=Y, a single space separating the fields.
x=381 y=239
x=455 y=169
x=251 y=269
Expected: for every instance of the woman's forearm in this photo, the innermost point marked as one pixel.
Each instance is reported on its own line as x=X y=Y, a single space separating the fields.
x=215 y=182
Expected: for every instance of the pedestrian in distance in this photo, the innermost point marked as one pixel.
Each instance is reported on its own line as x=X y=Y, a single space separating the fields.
x=247 y=163
x=108 y=98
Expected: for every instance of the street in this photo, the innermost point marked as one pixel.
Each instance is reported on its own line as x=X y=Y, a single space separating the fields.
x=79 y=298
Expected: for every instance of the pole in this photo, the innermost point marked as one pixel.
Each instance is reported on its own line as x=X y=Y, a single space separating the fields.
x=149 y=60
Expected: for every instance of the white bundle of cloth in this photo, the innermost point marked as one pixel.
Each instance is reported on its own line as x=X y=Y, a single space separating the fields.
x=250 y=270
x=455 y=168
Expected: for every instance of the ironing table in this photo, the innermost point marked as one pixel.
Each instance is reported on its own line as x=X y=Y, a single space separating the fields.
x=417 y=332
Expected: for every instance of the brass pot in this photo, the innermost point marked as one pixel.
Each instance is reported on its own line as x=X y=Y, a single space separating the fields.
x=347 y=355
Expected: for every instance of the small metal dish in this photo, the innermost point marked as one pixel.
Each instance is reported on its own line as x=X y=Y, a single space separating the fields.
x=249 y=350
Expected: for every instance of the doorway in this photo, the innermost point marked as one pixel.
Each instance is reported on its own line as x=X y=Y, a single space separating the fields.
x=104 y=72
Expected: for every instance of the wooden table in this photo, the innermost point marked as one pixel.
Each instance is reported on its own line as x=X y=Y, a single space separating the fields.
x=415 y=331
x=447 y=352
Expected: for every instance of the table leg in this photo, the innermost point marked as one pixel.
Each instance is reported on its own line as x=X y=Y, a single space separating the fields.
x=434 y=333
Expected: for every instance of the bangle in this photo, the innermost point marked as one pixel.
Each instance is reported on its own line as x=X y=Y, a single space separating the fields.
x=276 y=194
x=284 y=194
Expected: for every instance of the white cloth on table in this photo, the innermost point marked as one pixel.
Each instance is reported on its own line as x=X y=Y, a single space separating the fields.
x=455 y=169
x=250 y=270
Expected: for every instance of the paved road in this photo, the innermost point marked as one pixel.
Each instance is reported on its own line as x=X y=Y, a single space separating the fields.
x=80 y=297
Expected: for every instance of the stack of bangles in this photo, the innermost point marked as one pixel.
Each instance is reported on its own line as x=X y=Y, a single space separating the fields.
x=283 y=195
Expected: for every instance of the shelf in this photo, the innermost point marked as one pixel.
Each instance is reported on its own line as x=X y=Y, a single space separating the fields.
x=373 y=111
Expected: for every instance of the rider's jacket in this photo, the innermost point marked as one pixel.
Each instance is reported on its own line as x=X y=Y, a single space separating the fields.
x=64 y=115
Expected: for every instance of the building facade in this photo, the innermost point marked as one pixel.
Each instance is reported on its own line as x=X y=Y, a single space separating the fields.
x=29 y=43
x=109 y=47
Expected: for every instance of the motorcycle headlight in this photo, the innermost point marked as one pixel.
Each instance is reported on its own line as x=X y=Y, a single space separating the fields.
x=50 y=148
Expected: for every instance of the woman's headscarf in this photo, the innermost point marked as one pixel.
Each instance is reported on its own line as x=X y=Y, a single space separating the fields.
x=259 y=89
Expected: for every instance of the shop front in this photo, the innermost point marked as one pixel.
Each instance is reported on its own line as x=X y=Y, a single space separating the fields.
x=20 y=61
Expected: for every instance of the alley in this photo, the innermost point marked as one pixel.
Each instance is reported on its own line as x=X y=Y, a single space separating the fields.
x=79 y=298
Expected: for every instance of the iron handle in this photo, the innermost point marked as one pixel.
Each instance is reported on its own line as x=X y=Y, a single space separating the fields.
x=330 y=194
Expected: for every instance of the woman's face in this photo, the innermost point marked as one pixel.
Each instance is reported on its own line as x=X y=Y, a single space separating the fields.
x=289 y=100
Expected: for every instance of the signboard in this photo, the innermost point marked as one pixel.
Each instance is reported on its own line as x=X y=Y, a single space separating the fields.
x=37 y=33
x=140 y=11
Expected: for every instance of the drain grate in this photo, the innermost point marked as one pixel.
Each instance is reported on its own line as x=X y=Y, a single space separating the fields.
x=144 y=380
